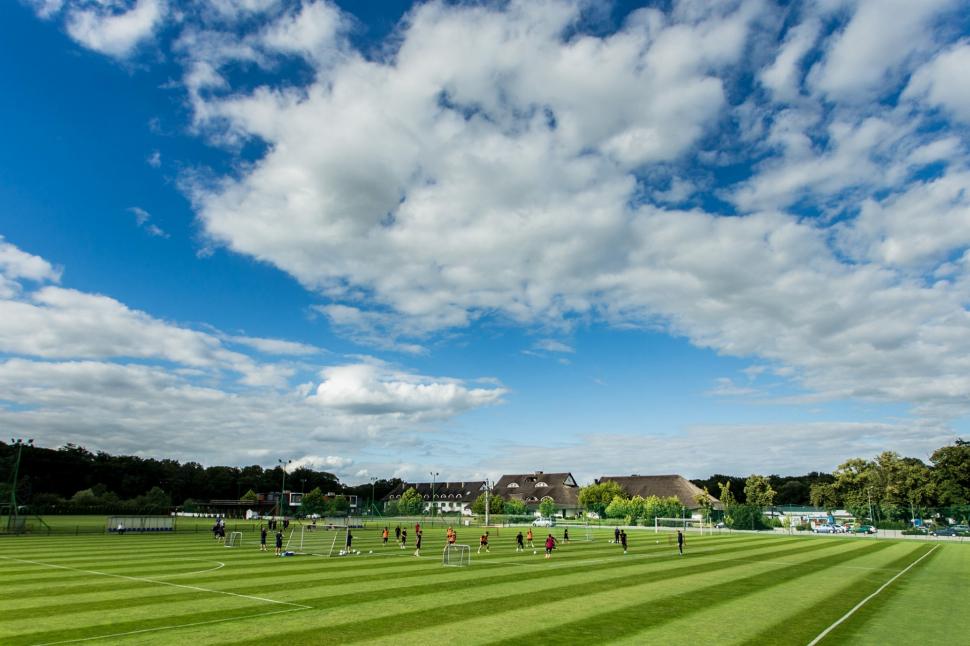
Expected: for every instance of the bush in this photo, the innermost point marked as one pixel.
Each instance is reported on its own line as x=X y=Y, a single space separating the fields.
x=891 y=524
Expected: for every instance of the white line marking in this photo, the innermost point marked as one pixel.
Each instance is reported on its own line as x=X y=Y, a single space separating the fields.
x=211 y=569
x=174 y=585
x=861 y=603
x=149 y=630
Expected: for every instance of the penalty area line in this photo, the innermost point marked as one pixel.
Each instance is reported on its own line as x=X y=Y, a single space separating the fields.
x=149 y=630
x=863 y=602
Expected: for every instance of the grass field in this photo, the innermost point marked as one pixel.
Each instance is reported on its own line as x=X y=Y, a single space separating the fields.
x=728 y=589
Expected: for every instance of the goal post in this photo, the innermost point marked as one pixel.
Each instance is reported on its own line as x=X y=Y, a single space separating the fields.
x=578 y=531
x=235 y=539
x=316 y=541
x=671 y=525
x=457 y=556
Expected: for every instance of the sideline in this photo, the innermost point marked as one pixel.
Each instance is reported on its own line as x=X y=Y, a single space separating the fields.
x=862 y=603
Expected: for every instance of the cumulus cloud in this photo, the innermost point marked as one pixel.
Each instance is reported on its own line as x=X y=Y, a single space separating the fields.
x=498 y=161
x=114 y=27
x=374 y=389
x=82 y=367
x=508 y=181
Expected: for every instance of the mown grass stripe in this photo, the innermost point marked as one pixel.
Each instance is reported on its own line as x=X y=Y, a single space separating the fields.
x=616 y=624
x=446 y=613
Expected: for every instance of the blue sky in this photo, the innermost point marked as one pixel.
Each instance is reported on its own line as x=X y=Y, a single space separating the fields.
x=383 y=239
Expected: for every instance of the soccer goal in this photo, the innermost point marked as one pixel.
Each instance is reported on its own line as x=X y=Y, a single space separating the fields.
x=235 y=539
x=457 y=556
x=316 y=542
x=578 y=532
x=673 y=524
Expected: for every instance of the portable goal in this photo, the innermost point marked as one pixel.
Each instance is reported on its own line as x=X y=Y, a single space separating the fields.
x=316 y=541
x=235 y=539
x=673 y=524
x=457 y=556
x=578 y=532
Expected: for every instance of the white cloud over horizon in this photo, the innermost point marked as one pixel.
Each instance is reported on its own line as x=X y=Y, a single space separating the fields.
x=503 y=162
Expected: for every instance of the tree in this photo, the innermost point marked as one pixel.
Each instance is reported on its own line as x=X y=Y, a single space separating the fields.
x=758 y=492
x=547 y=508
x=313 y=502
x=250 y=496
x=410 y=503
x=726 y=496
x=515 y=508
x=495 y=503
x=84 y=498
x=824 y=495
x=601 y=494
x=952 y=470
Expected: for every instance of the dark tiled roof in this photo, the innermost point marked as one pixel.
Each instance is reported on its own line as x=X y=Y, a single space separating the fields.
x=531 y=488
x=660 y=486
x=457 y=491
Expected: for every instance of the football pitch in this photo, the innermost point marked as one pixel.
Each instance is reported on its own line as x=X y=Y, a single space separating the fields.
x=725 y=589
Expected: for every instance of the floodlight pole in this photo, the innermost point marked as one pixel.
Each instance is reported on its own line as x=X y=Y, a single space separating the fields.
x=373 y=484
x=283 y=490
x=14 y=515
x=872 y=516
x=433 y=476
x=488 y=503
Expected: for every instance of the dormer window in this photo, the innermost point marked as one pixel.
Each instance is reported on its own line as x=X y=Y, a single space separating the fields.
x=512 y=485
x=530 y=480
x=541 y=484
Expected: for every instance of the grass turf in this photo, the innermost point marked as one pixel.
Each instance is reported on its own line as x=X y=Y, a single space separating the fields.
x=727 y=589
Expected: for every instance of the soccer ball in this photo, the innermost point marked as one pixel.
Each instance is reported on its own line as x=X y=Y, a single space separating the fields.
x=371 y=552
x=535 y=552
x=658 y=541
x=358 y=552
x=342 y=552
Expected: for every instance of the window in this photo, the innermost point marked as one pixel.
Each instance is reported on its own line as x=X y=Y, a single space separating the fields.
x=530 y=480
x=541 y=484
x=511 y=485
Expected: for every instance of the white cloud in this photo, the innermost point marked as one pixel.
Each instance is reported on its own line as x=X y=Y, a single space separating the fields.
x=141 y=215
x=375 y=389
x=114 y=27
x=154 y=160
x=321 y=463
x=66 y=375
x=275 y=346
x=881 y=37
x=552 y=346
x=943 y=81
x=16 y=264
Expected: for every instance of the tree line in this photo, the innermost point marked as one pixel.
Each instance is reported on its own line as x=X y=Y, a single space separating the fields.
x=73 y=475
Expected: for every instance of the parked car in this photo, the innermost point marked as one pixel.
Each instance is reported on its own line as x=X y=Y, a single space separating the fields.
x=961 y=528
x=945 y=531
x=544 y=522
x=864 y=529
x=825 y=529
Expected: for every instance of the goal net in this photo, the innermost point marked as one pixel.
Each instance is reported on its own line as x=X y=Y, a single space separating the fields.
x=316 y=541
x=457 y=556
x=235 y=539
x=577 y=532
x=671 y=525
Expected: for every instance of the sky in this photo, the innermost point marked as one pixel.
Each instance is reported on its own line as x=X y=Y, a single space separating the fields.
x=387 y=239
